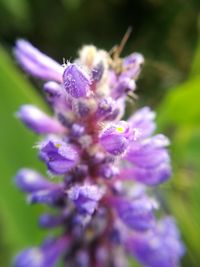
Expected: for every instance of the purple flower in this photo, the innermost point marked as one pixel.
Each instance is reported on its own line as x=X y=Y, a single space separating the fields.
x=59 y=156
x=115 y=139
x=158 y=247
x=149 y=176
x=132 y=65
x=150 y=159
x=140 y=153
x=143 y=120
x=136 y=213
x=85 y=197
x=124 y=85
x=102 y=199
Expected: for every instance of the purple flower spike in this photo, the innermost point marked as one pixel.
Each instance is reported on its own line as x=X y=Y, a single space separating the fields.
x=36 y=63
x=115 y=138
x=76 y=81
x=38 y=121
x=159 y=247
x=136 y=213
x=106 y=166
x=85 y=197
x=59 y=156
x=31 y=181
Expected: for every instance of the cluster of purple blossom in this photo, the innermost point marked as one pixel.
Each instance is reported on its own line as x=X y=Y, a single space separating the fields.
x=105 y=165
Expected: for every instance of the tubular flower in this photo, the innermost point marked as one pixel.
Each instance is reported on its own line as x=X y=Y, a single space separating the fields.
x=105 y=166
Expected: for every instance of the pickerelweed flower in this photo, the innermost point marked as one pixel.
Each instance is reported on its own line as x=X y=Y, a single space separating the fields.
x=102 y=202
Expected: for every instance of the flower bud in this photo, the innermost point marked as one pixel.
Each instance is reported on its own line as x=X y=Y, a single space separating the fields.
x=124 y=85
x=115 y=138
x=31 y=181
x=97 y=72
x=132 y=65
x=46 y=255
x=56 y=96
x=37 y=63
x=53 y=196
x=85 y=197
x=50 y=221
x=38 y=121
x=76 y=81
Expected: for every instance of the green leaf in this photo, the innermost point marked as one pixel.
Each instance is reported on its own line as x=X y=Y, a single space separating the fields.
x=19 y=221
x=181 y=105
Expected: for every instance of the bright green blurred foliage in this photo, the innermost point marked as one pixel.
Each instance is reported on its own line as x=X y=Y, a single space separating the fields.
x=18 y=222
x=179 y=115
x=166 y=33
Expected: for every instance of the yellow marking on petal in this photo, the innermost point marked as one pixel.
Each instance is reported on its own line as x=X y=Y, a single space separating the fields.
x=120 y=129
x=58 y=145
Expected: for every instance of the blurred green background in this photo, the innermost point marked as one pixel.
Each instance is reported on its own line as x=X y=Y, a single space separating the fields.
x=167 y=33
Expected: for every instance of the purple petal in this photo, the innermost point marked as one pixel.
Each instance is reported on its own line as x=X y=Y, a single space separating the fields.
x=149 y=176
x=143 y=120
x=148 y=153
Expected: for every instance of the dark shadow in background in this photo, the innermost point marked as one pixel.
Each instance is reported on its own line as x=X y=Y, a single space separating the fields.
x=165 y=32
